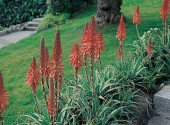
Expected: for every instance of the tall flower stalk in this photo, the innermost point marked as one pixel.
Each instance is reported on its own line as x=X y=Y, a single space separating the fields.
x=57 y=68
x=33 y=80
x=164 y=14
x=121 y=31
x=136 y=20
x=83 y=52
x=149 y=48
x=47 y=67
x=3 y=99
x=121 y=34
x=89 y=45
x=100 y=47
x=51 y=102
x=75 y=61
x=42 y=68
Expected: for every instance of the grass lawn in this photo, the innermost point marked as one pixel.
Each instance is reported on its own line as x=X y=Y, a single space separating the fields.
x=16 y=58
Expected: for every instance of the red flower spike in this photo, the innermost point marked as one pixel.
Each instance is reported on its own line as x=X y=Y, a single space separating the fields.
x=42 y=57
x=57 y=67
x=149 y=48
x=51 y=99
x=89 y=45
x=47 y=61
x=136 y=16
x=75 y=58
x=33 y=76
x=164 y=10
x=83 y=41
x=100 y=45
x=3 y=95
x=119 y=53
x=121 y=31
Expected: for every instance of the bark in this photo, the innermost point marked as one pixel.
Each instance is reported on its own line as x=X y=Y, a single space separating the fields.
x=108 y=11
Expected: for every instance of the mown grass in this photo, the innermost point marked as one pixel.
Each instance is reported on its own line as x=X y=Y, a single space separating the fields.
x=16 y=58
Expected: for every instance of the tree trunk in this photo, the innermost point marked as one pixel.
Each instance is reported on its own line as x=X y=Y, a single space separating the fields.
x=108 y=11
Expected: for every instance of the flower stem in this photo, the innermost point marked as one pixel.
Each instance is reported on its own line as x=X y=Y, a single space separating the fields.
x=36 y=104
x=138 y=32
x=47 y=82
x=52 y=120
x=1 y=120
x=76 y=76
x=44 y=92
x=86 y=70
x=91 y=73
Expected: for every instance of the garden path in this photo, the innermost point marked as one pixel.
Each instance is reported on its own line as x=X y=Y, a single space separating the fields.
x=14 y=37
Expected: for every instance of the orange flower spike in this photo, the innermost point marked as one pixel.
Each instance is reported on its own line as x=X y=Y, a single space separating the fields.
x=119 y=53
x=100 y=44
x=136 y=16
x=51 y=99
x=75 y=58
x=57 y=47
x=83 y=41
x=42 y=57
x=121 y=31
x=57 y=67
x=164 y=10
x=149 y=48
x=90 y=45
x=3 y=95
x=33 y=76
x=47 y=60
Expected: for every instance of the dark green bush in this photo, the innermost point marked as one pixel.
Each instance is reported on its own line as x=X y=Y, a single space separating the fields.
x=19 y=11
x=67 y=6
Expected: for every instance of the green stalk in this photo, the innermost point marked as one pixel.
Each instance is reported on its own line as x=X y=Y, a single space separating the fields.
x=1 y=119
x=91 y=72
x=57 y=93
x=47 y=82
x=52 y=120
x=36 y=104
x=100 y=63
x=76 y=76
x=86 y=70
x=138 y=32
x=44 y=92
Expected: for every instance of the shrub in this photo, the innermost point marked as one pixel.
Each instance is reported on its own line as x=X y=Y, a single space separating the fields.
x=1 y=28
x=50 y=20
x=66 y=6
x=15 y=12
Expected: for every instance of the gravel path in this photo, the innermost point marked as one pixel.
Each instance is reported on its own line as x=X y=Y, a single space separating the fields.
x=14 y=37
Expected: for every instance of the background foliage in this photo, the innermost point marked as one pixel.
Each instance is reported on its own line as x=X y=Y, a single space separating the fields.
x=18 y=11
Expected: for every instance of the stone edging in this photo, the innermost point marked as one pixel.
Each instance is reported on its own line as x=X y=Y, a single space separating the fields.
x=13 y=28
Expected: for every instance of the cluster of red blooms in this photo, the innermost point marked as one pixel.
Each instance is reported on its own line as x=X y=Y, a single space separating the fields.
x=121 y=31
x=3 y=96
x=121 y=35
x=92 y=44
x=51 y=70
x=165 y=10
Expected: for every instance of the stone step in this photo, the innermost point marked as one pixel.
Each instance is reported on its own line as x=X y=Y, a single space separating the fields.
x=162 y=101
x=33 y=24
x=37 y=20
x=162 y=107
x=30 y=28
x=159 y=120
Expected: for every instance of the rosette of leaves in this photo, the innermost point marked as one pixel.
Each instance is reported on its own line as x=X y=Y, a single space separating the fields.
x=154 y=52
x=107 y=104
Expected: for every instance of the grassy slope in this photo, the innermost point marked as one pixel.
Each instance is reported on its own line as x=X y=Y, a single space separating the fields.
x=16 y=58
